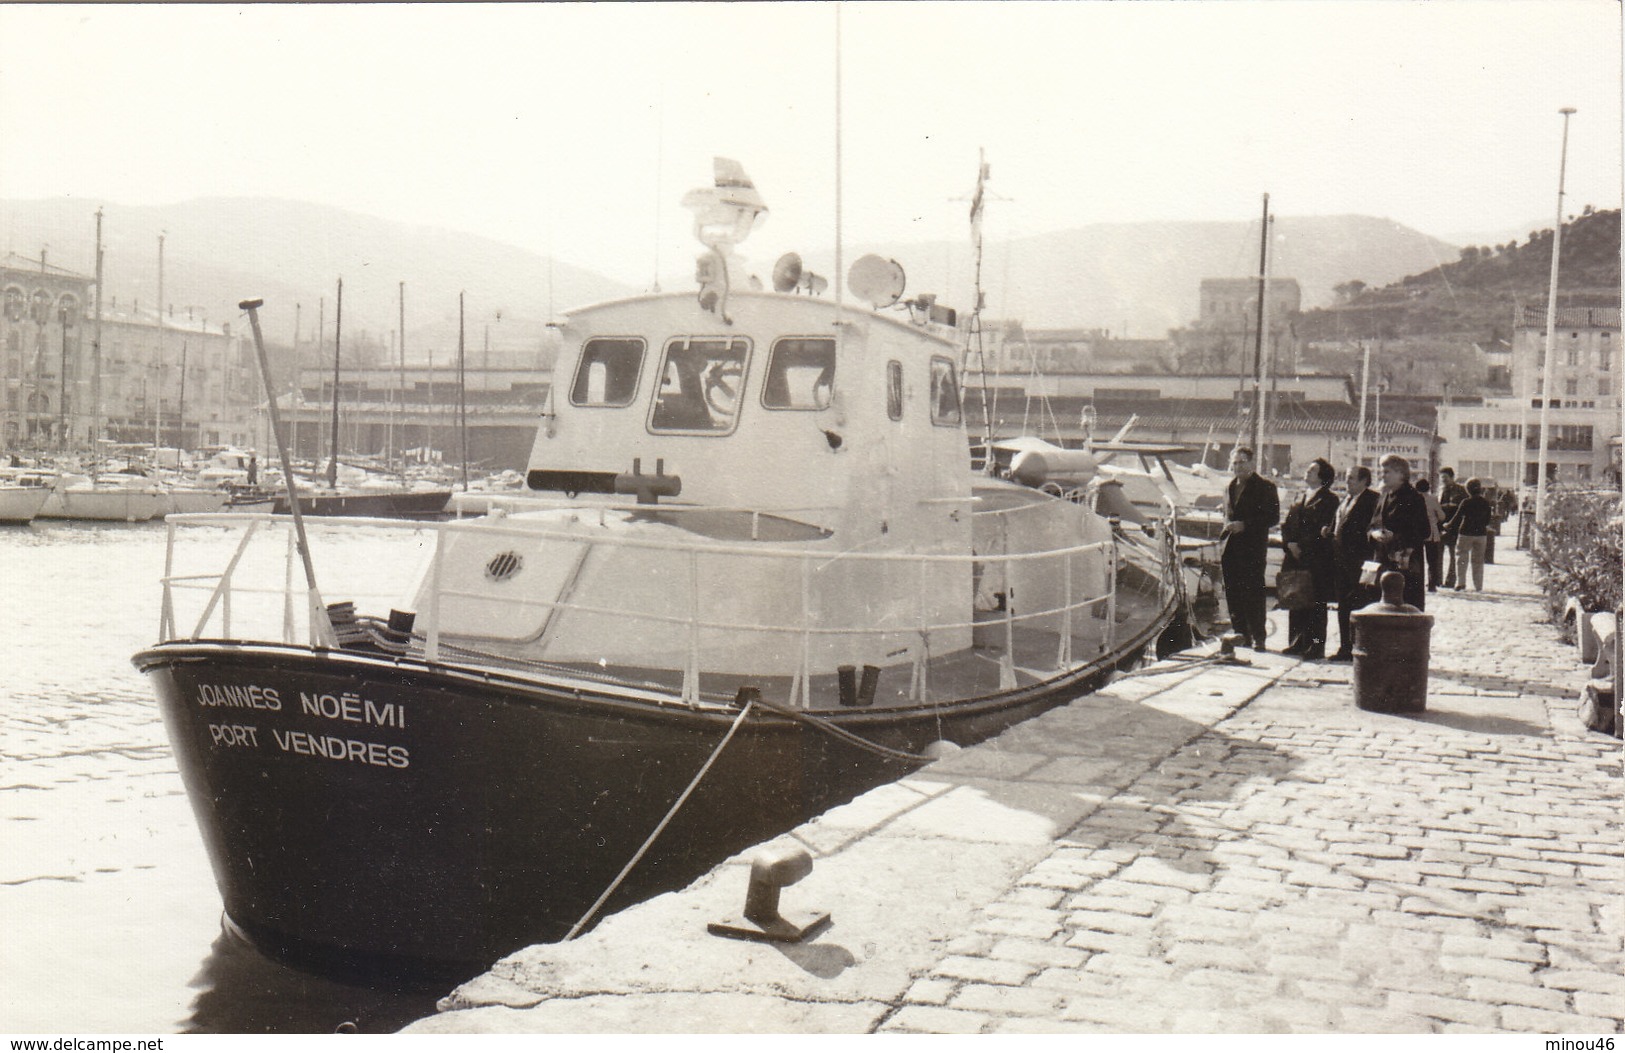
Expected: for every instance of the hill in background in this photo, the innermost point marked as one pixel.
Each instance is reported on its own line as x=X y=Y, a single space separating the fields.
x=1140 y=276
x=218 y=251
x=1145 y=277
x=1474 y=296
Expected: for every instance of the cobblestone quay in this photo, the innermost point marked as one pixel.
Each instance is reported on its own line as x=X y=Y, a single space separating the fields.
x=1198 y=848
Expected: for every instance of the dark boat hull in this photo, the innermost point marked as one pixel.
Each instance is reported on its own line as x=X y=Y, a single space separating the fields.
x=367 y=814
x=405 y=504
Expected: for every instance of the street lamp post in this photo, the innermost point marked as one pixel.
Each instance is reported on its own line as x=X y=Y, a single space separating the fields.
x=1551 y=331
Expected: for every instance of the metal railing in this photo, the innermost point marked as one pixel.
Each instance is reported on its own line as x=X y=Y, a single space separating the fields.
x=432 y=634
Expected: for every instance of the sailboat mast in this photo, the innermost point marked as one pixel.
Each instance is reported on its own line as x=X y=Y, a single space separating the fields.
x=180 y=410
x=1271 y=367
x=462 y=391
x=96 y=356
x=1258 y=353
x=158 y=402
x=1365 y=386
x=338 y=343
x=400 y=396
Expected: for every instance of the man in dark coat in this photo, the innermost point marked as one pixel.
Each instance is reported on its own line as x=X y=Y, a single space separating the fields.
x=1353 y=549
x=1451 y=495
x=1307 y=534
x=1399 y=529
x=1252 y=508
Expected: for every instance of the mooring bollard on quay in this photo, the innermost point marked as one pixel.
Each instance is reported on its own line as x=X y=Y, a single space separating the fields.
x=1391 y=640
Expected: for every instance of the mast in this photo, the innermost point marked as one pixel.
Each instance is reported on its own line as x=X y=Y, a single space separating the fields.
x=1365 y=386
x=96 y=357
x=158 y=403
x=977 y=206
x=402 y=324
x=1258 y=359
x=1551 y=330
x=180 y=410
x=462 y=391
x=401 y=388
x=338 y=343
x=1271 y=367
x=294 y=422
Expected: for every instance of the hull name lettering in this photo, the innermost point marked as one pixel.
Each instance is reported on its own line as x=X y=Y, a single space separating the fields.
x=354 y=709
x=234 y=735
x=247 y=696
x=331 y=747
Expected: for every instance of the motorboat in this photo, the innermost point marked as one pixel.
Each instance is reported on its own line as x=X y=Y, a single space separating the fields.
x=751 y=575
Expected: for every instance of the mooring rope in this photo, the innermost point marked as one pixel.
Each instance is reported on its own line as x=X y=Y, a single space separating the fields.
x=650 y=840
x=851 y=737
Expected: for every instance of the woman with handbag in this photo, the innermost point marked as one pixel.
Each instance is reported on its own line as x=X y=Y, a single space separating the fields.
x=1308 y=580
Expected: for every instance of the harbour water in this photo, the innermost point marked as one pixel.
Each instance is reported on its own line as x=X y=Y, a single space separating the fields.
x=111 y=918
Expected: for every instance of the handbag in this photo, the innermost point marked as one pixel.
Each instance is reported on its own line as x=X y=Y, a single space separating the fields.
x=1295 y=588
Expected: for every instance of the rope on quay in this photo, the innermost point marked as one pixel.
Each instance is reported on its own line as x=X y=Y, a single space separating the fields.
x=650 y=840
x=844 y=735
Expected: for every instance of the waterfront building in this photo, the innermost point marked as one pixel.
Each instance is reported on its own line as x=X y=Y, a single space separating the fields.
x=1492 y=437
x=1308 y=416
x=1224 y=336
x=384 y=410
x=43 y=347
x=175 y=380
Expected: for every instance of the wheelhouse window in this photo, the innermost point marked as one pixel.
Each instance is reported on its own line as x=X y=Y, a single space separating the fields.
x=944 y=392
x=608 y=372
x=800 y=374
x=894 y=390
x=700 y=385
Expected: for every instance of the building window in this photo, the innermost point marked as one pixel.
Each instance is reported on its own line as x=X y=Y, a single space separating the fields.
x=1604 y=387
x=608 y=372
x=894 y=390
x=700 y=384
x=16 y=304
x=1571 y=386
x=1466 y=431
x=800 y=374
x=944 y=392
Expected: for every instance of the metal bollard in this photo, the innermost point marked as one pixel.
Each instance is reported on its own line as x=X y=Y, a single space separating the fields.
x=770 y=871
x=1391 y=641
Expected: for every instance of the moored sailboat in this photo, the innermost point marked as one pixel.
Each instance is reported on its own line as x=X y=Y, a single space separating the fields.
x=752 y=576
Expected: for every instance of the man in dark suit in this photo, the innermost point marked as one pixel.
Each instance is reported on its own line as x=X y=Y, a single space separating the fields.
x=1451 y=495
x=1252 y=508
x=1353 y=549
x=1400 y=528
x=1307 y=534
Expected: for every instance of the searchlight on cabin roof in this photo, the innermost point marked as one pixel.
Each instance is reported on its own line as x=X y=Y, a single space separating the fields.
x=725 y=214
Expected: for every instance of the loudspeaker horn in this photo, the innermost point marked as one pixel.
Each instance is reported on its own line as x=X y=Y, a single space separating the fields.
x=787 y=273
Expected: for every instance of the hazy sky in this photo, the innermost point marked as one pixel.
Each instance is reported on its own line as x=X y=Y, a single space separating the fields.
x=576 y=128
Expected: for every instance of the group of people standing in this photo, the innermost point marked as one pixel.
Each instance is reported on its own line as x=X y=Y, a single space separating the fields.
x=1399 y=526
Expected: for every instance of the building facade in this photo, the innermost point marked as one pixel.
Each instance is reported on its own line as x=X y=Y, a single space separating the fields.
x=43 y=337
x=1499 y=438
x=175 y=380
x=383 y=411
x=1224 y=336
x=1306 y=417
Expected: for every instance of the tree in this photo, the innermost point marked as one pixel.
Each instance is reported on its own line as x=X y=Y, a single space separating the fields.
x=1347 y=292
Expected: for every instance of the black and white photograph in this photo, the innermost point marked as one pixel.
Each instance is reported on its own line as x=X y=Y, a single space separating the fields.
x=811 y=518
